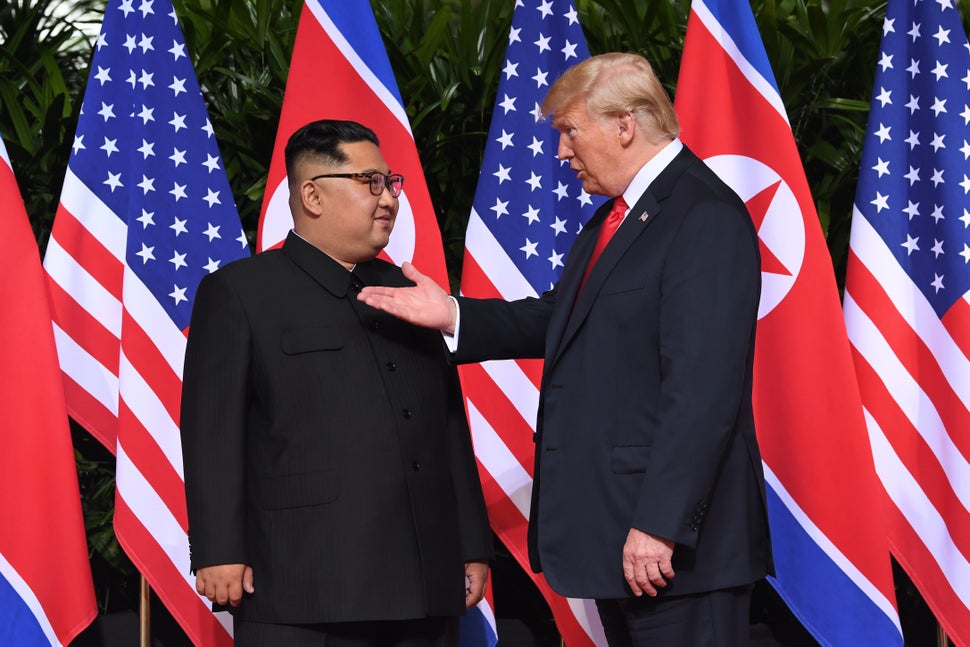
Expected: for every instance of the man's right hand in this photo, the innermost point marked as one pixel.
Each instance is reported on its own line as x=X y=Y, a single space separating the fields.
x=425 y=304
x=224 y=583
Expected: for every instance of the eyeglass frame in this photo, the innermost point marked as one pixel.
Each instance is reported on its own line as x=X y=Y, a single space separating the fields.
x=387 y=180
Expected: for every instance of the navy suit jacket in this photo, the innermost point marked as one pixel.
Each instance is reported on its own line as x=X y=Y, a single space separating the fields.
x=645 y=417
x=325 y=444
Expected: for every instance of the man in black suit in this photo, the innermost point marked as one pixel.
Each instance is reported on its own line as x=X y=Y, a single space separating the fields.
x=648 y=477
x=333 y=496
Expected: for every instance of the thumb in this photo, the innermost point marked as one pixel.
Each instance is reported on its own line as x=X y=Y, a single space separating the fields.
x=411 y=272
x=248 y=580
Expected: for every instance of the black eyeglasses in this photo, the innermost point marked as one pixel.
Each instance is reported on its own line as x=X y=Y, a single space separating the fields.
x=377 y=181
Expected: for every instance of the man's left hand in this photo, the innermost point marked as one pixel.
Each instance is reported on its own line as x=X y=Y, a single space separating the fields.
x=476 y=577
x=647 y=562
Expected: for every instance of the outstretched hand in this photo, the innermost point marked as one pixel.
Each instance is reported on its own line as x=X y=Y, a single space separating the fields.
x=425 y=304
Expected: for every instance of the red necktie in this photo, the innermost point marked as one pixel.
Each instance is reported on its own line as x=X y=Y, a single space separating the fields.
x=609 y=227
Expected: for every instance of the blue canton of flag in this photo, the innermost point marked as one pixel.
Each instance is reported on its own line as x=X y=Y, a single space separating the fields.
x=145 y=146
x=913 y=181
x=530 y=201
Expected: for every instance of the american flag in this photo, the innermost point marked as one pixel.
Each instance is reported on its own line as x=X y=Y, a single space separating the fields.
x=831 y=557
x=145 y=212
x=527 y=210
x=907 y=301
x=46 y=592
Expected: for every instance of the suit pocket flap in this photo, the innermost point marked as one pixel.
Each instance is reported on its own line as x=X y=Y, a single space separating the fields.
x=629 y=459
x=311 y=338
x=300 y=490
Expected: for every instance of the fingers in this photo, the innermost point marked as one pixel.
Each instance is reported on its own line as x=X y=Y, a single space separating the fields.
x=647 y=562
x=411 y=272
x=476 y=579
x=248 y=580
x=666 y=568
x=648 y=577
x=224 y=584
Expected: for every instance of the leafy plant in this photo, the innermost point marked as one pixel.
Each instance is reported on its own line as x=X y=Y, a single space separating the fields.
x=43 y=58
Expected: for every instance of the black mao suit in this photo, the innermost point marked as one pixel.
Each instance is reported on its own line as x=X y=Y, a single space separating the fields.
x=645 y=415
x=325 y=445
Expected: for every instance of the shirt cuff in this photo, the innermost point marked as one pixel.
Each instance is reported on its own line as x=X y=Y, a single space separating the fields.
x=451 y=341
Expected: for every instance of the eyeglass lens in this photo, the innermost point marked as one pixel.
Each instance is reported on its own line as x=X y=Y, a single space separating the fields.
x=378 y=181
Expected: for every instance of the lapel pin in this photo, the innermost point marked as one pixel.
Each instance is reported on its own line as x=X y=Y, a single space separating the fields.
x=643 y=217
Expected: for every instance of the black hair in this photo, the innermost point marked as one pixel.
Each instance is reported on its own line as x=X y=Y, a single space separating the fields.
x=322 y=139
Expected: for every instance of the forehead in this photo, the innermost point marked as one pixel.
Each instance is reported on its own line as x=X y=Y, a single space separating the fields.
x=571 y=114
x=364 y=156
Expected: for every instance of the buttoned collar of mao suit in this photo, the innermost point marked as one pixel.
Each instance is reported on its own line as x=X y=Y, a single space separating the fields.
x=333 y=276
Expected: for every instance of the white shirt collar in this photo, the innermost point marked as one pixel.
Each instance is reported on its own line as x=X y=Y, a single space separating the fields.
x=649 y=172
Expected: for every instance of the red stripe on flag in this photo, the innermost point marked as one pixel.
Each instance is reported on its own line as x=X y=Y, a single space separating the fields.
x=950 y=611
x=142 y=450
x=84 y=246
x=957 y=323
x=507 y=520
x=88 y=412
x=503 y=417
x=83 y=328
x=475 y=283
x=913 y=452
x=171 y=586
x=152 y=366
x=915 y=356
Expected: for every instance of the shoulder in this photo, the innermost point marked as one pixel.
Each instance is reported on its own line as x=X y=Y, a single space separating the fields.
x=245 y=267
x=246 y=275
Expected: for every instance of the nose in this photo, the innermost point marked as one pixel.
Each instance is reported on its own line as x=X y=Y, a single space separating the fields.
x=564 y=151
x=386 y=197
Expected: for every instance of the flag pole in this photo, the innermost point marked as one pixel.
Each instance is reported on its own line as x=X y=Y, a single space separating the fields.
x=942 y=640
x=144 y=614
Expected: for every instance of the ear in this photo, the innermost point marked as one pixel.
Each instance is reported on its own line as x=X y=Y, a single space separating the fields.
x=626 y=128
x=310 y=198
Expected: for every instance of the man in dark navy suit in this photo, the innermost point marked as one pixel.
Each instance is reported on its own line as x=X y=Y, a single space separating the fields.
x=333 y=496
x=648 y=477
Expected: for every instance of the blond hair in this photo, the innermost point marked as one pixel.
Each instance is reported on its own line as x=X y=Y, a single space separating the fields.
x=613 y=84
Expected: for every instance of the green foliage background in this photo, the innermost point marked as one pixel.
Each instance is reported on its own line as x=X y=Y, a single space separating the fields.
x=447 y=57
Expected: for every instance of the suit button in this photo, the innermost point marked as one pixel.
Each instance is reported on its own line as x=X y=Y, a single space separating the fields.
x=416 y=466
x=376 y=325
x=407 y=413
x=391 y=366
